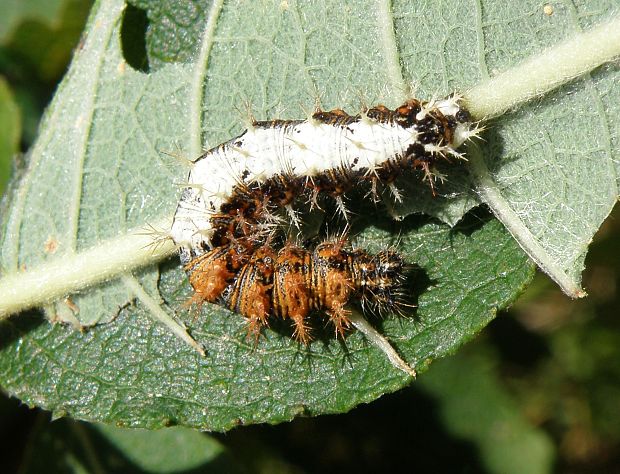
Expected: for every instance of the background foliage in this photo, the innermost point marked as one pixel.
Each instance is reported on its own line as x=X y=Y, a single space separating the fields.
x=539 y=388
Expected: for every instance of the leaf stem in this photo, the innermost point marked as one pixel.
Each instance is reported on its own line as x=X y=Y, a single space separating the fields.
x=156 y=312
x=379 y=341
x=71 y=273
x=545 y=71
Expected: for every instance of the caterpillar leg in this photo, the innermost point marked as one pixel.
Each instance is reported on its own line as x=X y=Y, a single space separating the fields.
x=209 y=274
x=250 y=292
x=291 y=296
x=340 y=318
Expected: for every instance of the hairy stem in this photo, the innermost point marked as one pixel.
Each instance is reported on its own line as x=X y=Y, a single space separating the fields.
x=379 y=341
x=545 y=71
x=71 y=273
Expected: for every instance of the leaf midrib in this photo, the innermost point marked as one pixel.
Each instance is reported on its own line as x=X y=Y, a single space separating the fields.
x=391 y=53
x=198 y=78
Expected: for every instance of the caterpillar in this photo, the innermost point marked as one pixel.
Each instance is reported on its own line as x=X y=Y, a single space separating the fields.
x=293 y=282
x=227 y=216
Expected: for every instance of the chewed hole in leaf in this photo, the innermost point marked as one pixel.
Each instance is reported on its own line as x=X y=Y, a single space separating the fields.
x=133 y=38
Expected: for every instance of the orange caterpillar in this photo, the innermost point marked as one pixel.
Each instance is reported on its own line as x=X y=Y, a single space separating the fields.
x=293 y=282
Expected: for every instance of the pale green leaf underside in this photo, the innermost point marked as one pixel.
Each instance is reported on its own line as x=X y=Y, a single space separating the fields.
x=96 y=172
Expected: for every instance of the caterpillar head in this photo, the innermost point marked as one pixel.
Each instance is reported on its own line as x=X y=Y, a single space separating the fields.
x=459 y=120
x=380 y=280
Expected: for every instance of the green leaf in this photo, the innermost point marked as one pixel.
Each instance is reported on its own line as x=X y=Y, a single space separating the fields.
x=553 y=163
x=69 y=446
x=175 y=29
x=10 y=125
x=38 y=36
x=17 y=11
x=88 y=179
x=474 y=406
x=134 y=373
x=172 y=449
x=97 y=171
